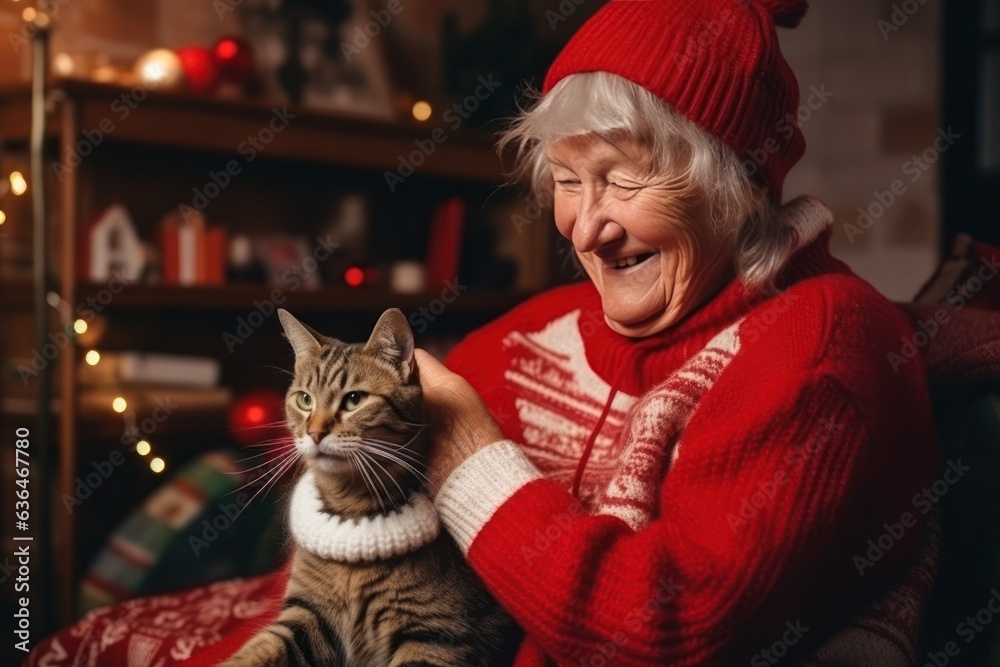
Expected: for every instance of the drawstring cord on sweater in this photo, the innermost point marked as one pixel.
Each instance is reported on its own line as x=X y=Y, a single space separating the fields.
x=589 y=447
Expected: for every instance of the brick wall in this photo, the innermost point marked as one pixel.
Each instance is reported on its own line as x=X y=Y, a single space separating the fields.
x=882 y=112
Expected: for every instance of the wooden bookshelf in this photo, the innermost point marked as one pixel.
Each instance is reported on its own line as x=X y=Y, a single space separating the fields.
x=174 y=126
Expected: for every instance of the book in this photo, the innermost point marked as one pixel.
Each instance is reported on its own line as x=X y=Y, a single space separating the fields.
x=95 y=402
x=444 y=246
x=153 y=368
x=193 y=253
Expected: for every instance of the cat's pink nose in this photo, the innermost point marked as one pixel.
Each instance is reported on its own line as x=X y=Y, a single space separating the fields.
x=316 y=436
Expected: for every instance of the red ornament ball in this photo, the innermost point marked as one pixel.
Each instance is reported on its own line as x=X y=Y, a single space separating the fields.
x=354 y=276
x=200 y=70
x=258 y=416
x=234 y=58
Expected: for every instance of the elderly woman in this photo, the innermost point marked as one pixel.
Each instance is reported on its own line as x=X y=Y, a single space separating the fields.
x=702 y=455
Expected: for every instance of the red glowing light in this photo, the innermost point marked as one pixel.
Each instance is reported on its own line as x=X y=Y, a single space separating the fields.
x=354 y=276
x=255 y=413
x=227 y=48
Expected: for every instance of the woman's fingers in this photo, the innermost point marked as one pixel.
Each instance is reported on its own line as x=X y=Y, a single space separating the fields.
x=432 y=372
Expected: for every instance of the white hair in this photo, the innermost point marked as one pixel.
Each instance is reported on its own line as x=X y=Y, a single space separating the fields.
x=607 y=105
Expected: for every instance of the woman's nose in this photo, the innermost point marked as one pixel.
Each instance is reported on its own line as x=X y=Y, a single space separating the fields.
x=593 y=227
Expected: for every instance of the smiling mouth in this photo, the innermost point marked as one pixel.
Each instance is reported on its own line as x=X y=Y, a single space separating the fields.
x=628 y=262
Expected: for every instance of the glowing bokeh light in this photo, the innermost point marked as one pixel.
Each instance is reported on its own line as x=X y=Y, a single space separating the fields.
x=421 y=110
x=18 y=185
x=354 y=276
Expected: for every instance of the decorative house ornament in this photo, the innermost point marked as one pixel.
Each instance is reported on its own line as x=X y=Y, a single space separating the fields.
x=111 y=247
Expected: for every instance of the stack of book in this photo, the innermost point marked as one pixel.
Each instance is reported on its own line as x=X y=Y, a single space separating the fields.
x=149 y=380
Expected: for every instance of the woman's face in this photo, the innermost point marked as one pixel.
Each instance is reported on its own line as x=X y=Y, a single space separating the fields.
x=652 y=254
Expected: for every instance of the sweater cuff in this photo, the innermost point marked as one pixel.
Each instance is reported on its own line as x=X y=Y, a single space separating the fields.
x=479 y=486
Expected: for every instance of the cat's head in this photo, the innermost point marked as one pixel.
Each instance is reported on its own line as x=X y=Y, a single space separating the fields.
x=355 y=408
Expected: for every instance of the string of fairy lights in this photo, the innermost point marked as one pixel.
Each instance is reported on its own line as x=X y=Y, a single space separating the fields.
x=119 y=404
x=15 y=184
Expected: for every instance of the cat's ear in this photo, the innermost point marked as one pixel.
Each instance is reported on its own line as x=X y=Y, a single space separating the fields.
x=304 y=339
x=392 y=339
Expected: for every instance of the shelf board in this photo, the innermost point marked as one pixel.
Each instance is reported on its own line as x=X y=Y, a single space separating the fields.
x=241 y=297
x=180 y=120
x=17 y=296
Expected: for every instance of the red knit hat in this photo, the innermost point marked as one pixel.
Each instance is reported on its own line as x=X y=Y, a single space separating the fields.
x=718 y=62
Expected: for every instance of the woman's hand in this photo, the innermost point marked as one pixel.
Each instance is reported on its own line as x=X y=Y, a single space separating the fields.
x=461 y=424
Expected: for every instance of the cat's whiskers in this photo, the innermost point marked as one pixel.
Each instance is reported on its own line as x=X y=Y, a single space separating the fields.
x=278 y=368
x=402 y=493
x=357 y=466
x=421 y=428
x=370 y=463
x=276 y=474
x=399 y=461
x=373 y=462
x=273 y=441
x=369 y=482
x=280 y=422
x=406 y=455
x=267 y=453
x=286 y=451
x=392 y=446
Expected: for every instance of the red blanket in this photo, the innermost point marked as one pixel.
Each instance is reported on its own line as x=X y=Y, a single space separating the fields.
x=201 y=626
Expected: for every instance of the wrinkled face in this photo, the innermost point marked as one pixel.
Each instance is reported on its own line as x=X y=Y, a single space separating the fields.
x=649 y=249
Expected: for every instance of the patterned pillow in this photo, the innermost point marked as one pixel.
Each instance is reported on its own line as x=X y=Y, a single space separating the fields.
x=185 y=534
x=967 y=277
x=956 y=320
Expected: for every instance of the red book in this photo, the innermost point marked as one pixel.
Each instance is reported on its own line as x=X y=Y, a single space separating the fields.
x=214 y=257
x=444 y=248
x=170 y=251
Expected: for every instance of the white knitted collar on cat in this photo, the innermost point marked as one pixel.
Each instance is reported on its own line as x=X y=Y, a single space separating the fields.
x=379 y=537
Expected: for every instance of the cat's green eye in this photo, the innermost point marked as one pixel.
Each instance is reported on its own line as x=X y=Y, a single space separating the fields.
x=304 y=401
x=353 y=400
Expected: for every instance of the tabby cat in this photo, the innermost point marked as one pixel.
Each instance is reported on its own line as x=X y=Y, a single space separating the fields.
x=374 y=582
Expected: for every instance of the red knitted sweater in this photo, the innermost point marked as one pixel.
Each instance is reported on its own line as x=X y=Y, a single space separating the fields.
x=740 y=462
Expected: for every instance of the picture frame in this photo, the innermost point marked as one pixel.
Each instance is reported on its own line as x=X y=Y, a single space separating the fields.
x=354 y=78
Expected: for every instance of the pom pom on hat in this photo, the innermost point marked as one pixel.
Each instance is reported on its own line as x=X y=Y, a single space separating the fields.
x=786 y=13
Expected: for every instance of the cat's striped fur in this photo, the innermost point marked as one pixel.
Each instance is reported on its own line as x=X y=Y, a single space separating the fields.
x=419 y=609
